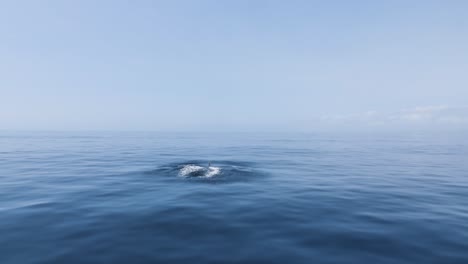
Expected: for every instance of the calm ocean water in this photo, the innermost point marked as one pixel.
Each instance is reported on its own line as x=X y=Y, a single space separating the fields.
x=267 y=198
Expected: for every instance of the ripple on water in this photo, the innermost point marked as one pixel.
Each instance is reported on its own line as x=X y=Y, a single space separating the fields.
x=220 y=171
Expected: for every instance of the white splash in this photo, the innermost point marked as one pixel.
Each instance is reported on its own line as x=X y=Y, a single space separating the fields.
x=195 y=170
x=189 y=169
x=212 y=171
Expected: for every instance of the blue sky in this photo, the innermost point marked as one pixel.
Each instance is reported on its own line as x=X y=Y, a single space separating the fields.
x=181 y=65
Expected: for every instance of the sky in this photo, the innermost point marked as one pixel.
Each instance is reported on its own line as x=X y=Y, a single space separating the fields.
x=233 y=65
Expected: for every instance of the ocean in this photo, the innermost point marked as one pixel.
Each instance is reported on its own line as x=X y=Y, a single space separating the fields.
x=159 y=197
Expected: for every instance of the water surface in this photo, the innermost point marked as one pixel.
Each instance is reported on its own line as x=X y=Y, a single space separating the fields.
x=267 y=198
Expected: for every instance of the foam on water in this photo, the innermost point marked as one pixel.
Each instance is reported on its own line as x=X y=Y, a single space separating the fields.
x=212 y=171
x=192 y=170
x=225 y=171
x=189 y=169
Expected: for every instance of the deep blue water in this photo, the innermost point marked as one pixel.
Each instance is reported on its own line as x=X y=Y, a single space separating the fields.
x=267 y=198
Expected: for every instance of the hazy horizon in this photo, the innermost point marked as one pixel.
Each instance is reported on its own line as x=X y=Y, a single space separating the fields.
x=234 y=65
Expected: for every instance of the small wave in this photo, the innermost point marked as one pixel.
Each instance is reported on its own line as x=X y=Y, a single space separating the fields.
x=213 y=171
x=196 y=170
x=192 y=170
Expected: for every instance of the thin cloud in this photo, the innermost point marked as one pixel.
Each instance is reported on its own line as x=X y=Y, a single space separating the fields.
x=435 y=115
x=417 y=116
